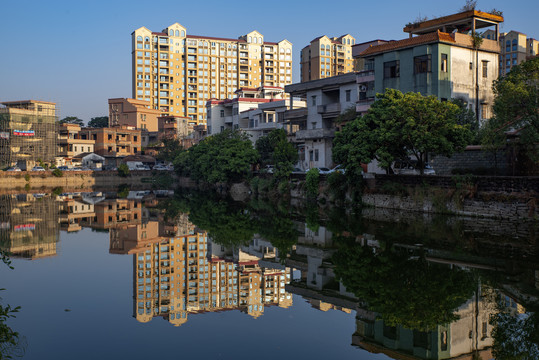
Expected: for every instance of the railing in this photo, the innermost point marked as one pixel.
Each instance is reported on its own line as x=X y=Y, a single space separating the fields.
x=315 y=134
x=329 y=109
x=295 y=113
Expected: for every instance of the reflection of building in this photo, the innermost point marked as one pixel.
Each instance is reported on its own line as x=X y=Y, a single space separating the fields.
x=112 y=213
x=211 y=67
x=464 y=338
x=179 y=275
x=29 y=225
x=27 y=132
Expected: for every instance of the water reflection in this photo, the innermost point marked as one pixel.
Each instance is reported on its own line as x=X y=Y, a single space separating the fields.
x=429 y=288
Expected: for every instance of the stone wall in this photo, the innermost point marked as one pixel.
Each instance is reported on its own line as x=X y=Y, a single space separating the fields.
x=474 y=159
x=504 y=184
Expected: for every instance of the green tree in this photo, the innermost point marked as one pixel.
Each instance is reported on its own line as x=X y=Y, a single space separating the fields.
x=516 y=108
x=277 y=150
x=516 y=336
x=170 y=150
x=466 y=117
x=224 y=157
x=99 y=122
x=123 y=170
x=400 y=125
x=72 y=120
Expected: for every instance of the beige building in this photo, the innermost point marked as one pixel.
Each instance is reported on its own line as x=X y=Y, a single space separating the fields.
x=138 y=114
x=71 y=143
x=325 y=57
x=177 y=72
x=515 y=48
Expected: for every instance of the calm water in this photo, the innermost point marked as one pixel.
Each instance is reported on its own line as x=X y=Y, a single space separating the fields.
x=148 y=276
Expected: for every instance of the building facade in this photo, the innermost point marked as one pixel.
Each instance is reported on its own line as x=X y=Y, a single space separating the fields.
x=138 y=114
x=118 y=141
x=70 y=142
x=312 y=128
x=325 y=57
x=178 y=72
x=515 y=47
x=28 y=131
x=433 y=62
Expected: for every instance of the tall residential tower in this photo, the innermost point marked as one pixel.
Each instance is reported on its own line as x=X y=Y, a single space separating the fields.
x=178 y=72
x=325 y=57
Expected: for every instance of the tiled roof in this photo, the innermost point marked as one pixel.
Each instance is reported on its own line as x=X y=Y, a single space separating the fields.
x=213 y=38
x=414 y=41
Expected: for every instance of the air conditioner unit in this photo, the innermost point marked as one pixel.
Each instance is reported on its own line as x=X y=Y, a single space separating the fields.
x=362 y=88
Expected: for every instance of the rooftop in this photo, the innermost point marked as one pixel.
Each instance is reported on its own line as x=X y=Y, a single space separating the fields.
x=461 y=22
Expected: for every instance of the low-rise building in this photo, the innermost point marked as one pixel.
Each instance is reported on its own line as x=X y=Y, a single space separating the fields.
x=71 y=143
x=312 y=128
x=28 y=131
x=440 y=58
x=134 y=113
x=118 y=141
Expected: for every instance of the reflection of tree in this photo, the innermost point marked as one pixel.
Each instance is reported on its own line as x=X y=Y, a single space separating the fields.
x=516 y=336
x=232 y=224
x=404 y=290
x=10 y=342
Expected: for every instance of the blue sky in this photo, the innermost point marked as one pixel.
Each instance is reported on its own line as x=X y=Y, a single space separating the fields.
x=78 y=53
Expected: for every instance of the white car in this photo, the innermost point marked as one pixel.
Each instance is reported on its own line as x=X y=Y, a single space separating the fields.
x=14 y=169
x=160 y=167
x=338 y=168
x=321 y=170
x=38 y=168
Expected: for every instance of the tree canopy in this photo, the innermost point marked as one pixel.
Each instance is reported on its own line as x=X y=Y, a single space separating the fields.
x=277 y=150
x=99 y=122
x=516 y=107
x=398 y=126
x=224 y=157
x=72 y=120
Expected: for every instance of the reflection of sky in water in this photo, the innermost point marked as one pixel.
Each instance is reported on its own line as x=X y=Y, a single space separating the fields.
x=97 y=288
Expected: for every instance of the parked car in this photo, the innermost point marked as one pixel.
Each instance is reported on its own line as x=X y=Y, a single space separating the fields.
x=297 y=171
x=160 y=167
x=14 y=168
x=410 y=167
x=63 y=168
x=38 y=168
x=268 y=169
x=338 y=168
x=321 y=170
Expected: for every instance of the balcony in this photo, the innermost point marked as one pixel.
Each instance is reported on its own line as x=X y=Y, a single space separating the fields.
x=228 y=119
x=295 y=114
x=329 y=110
x=363 y=105
x=365 y=76
x=315 y=134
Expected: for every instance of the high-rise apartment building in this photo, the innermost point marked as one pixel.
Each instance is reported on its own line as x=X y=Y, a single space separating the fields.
x=177 y=73
x=326 y=57
x=515 y=47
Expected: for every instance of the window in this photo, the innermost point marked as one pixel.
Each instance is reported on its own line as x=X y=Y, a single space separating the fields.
x=348 y=95
x=514 y=45
x=183 y=33
x=313 y=100
x=485 y=68
x=422 y=64
x=443 y=67
x=315 y=154
x=484 y=111
x=391 y=69
x=222 y=113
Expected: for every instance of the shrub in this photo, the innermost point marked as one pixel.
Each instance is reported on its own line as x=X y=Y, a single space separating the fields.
x=394 y=188
x=312 y=182
x=27 y=177
x=284 y=187
x=123 y=170
x=254 y=185
x=57 y=173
